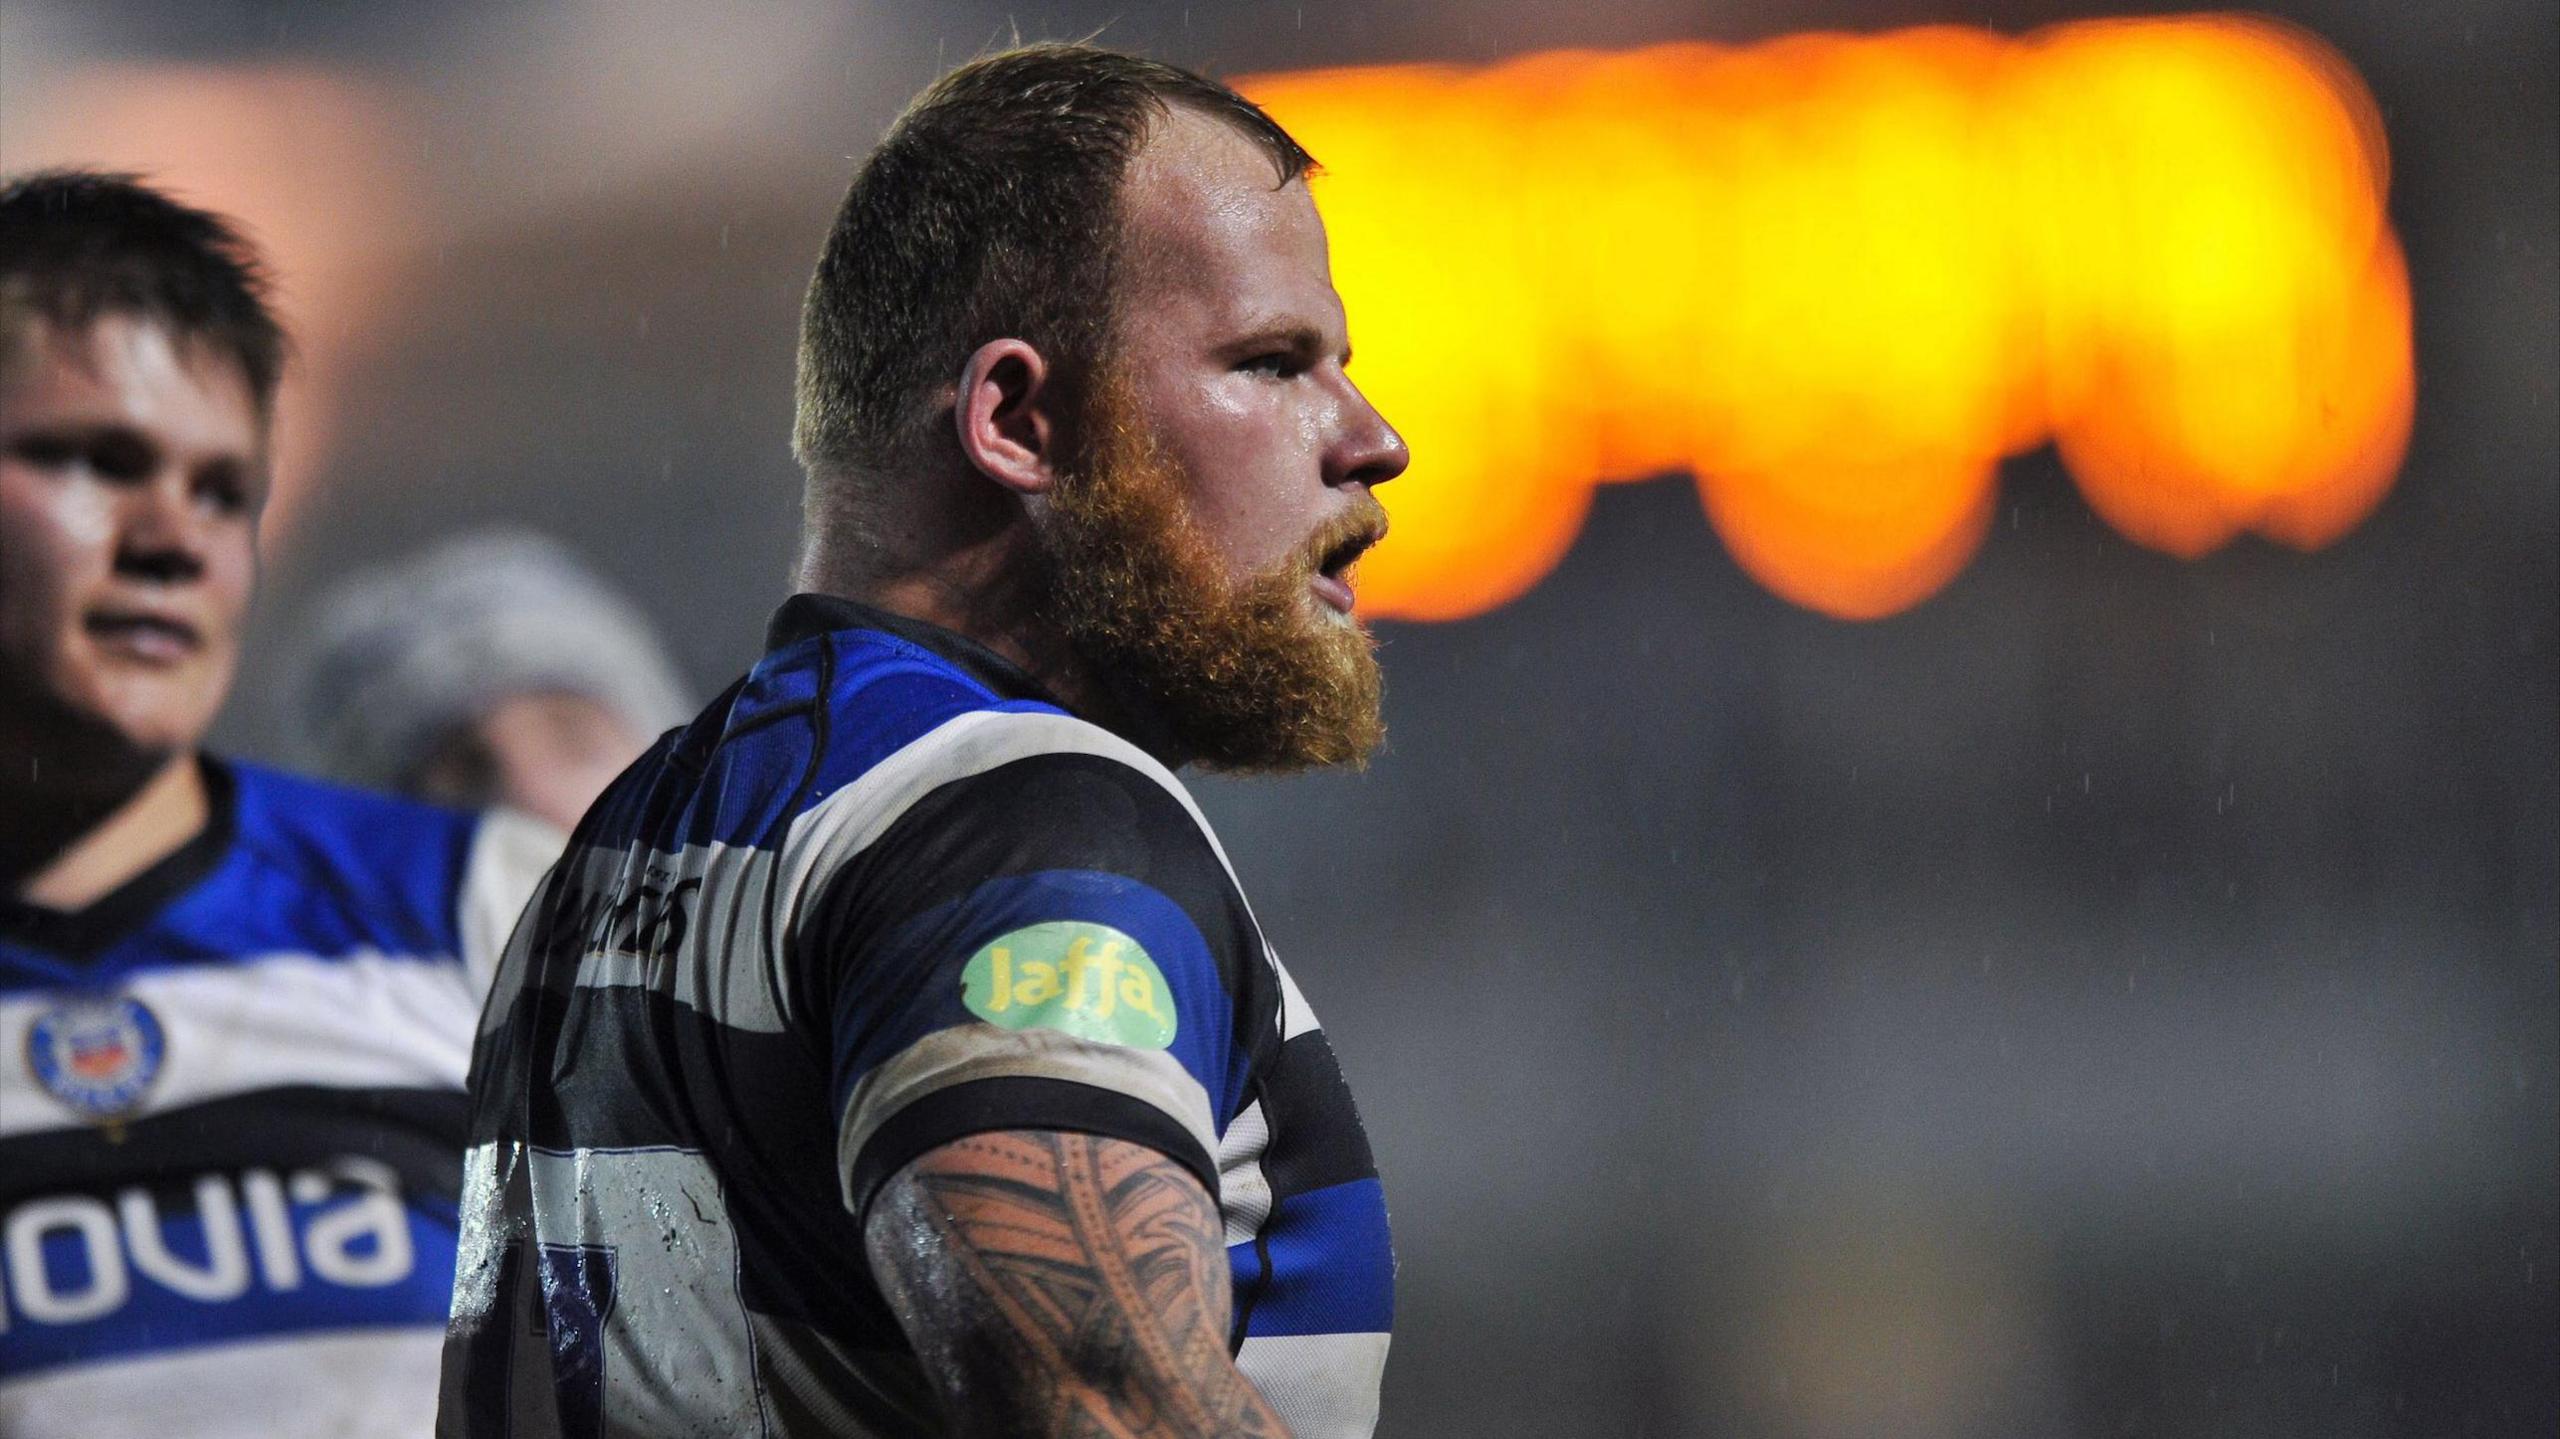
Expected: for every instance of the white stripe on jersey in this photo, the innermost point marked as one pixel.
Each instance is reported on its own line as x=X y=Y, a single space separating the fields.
x=733 y=882
x=673 y=1315
x=367 y=1021
x=1324 y=1386
x=979 y=1051
x=848 y=821
x=1244 y=1191
x=379 y=1383
x=677 y=901
x=509 y=852
x=1297 y=1017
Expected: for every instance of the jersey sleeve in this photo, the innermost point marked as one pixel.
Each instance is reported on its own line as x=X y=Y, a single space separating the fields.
x=1052 y=943
x=510 y=851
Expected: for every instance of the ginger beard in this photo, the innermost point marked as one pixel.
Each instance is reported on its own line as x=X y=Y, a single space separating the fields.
x=1250 y=675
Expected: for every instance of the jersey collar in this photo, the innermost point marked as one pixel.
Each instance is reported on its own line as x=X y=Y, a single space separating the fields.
x=804 y=616
x=79 y=933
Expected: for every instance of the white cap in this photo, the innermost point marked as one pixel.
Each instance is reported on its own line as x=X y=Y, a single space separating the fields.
x=395 y=656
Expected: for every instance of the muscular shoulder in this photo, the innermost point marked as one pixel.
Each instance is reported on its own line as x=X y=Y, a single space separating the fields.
x=1008 y=796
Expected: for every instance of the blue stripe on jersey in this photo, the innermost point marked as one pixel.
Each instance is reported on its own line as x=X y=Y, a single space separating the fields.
x=879 y=1013
x=313 y=869
x=1332 y=1268
x=756 y=773
x=152 y=1318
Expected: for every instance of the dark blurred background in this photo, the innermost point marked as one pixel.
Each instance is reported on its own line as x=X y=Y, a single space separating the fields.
x=2115 y=997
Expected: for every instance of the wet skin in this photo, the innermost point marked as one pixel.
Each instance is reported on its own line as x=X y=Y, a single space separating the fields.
x=1234 y=346
x=1057 y=1283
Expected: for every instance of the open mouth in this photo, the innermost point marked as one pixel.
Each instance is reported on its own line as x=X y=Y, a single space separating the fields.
x=1332 y=580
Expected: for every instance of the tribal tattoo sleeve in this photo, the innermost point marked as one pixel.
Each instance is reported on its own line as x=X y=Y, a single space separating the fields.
x=1064 y=1284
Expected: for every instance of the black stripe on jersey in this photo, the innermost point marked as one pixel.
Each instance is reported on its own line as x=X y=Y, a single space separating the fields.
x=1047 y=812
x=480 y=1353
x=815 y=1383
x=418 y=1132
x=1316 y=1142
x=634 y=1069
x=1022 y=1102
x=620 y=1067
x=1316 y=1138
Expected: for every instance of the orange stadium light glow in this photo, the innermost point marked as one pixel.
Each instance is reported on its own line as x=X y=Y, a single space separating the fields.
x=1837 y=278
x=306 y=160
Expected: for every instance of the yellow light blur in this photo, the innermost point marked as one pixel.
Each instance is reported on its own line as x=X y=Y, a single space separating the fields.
x=1837 y=278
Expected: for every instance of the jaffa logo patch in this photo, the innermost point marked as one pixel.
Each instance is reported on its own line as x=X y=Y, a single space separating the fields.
x=1088 y=980
x=99 y=1056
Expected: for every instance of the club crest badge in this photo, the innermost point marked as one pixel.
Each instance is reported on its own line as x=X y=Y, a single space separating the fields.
x=98 y=1056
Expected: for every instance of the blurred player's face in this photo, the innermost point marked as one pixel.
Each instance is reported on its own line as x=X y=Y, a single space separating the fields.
x=132 y=464
x=546 y=753
x=1204 y=552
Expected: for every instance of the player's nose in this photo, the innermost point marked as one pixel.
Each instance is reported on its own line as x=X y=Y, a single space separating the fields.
x=161 y=539
x=1368 y=450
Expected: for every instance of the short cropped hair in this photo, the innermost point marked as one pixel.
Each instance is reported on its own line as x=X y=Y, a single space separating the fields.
x=991 y=210
x=78 y=245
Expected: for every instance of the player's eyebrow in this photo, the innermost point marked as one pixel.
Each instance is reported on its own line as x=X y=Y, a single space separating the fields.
x=61 y=439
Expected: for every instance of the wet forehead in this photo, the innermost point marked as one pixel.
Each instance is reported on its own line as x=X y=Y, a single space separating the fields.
x=1211 y=235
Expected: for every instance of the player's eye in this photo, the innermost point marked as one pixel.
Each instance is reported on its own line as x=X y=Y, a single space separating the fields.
x=116 y=456
x=1278 y=365
x=122 y=458
x=224 y=489
x=47 y=452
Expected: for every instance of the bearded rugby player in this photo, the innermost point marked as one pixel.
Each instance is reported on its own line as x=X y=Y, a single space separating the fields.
x=236 y=1007
x=894 y=1052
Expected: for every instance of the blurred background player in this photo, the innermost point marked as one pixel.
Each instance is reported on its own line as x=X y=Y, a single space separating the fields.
x=492 y=669
x=895 y=1051
x=235 y=1006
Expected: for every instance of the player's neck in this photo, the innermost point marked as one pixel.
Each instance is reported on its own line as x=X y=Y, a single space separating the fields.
x=67 y=847
x=994 y=613
x=995 y=608
x=979 y=580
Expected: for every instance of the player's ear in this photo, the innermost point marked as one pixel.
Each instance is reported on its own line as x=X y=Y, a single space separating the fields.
x=1005 y=413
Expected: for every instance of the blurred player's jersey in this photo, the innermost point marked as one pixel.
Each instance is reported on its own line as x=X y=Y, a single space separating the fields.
x=880 y=896
x=231 y=1119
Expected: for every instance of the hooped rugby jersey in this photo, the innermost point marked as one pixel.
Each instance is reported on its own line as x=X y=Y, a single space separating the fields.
x=231 y=1119
x=882 y=895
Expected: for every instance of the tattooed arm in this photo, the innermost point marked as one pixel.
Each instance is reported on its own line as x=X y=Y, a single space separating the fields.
x=1064 y=1284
